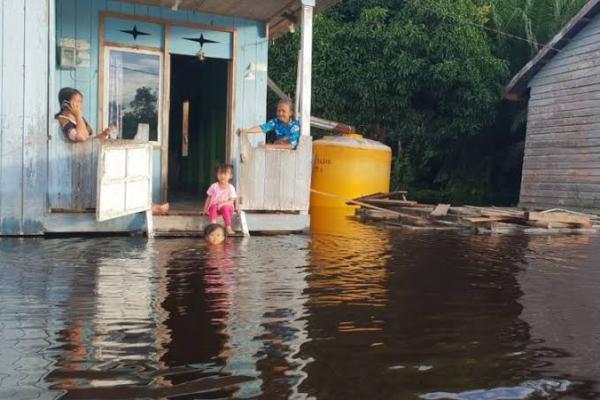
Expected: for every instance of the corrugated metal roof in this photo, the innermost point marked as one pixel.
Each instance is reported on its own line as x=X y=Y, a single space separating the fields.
x=518 y=84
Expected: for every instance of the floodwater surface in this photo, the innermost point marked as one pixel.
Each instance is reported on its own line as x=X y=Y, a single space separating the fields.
x=352 y=313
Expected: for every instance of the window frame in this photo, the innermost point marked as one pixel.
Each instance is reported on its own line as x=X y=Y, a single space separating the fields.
x=106 y=85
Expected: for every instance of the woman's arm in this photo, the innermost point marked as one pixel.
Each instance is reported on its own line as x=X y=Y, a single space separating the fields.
x=280 y=145
x=80 y=125
x=254 y=129
x=283 y=143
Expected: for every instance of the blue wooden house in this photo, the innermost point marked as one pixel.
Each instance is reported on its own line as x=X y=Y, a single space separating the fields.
x=181 y=76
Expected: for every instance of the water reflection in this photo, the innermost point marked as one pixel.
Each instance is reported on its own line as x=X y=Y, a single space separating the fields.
x=351 y=311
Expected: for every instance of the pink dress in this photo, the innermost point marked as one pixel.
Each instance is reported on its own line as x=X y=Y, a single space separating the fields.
x=219 y=195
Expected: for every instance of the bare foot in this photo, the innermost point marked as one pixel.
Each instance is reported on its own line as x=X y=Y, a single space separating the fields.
x=230 y=231
x=160 y=208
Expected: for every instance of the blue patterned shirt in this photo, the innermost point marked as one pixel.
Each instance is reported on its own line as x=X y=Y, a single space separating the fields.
x=282 y=130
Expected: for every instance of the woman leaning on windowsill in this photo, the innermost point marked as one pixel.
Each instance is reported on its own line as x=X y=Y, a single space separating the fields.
x=285 y=128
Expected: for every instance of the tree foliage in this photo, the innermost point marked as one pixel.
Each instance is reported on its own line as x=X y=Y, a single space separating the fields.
x=522 y=27
x=425 y=76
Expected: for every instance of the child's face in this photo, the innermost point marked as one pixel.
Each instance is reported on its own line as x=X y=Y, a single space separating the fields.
x=216 y=237
x=224 y=176
x=284 y=113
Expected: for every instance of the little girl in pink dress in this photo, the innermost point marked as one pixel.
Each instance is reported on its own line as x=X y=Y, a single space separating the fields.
x=221 y=197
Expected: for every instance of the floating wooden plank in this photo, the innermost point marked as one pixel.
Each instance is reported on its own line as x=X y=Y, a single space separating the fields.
x=398 y=225
x=581 y=220
x=548 y=224
x=481 y=220
x=391 y=202
x=381 y=195
x=366 y=205
x=377 y=214
x=499 y=227
x=440 y=210
x=497 y=212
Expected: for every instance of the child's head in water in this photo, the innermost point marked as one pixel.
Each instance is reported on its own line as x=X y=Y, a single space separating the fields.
x=214 y=234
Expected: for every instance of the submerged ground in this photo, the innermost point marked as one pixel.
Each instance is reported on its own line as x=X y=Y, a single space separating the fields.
x=350 y=312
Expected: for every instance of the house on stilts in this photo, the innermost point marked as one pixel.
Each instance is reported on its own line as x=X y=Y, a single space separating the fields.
x=177 y=78
x=561 y=166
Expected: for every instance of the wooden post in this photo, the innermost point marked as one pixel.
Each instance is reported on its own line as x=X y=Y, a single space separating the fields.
x=298 y=85
x=149 y=224
x=306 y=63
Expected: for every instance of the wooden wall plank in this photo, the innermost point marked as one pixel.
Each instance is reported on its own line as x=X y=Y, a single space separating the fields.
x=11 y=156
x=577 y=130
x=2 y=133
x=534 y=121
x=575 y=75
x=287 y=179
x=35 y=140
x=82 y=153
x=60 y=158
x=565 y=195
x=591 y=92
x=563 y=151
x=587 y=104
x=531 y=164
x=571 y=64
x=272 y=179
x=565 y=158
x=561 y=116
x=571 y=59
x=561 y=188
x=558 y=86
x=572 y=178
x=558 y=172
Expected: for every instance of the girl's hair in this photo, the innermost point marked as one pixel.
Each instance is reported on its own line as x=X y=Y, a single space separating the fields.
x=64 y=97
x=212 y=228
x=222 y=168
x=288 y=103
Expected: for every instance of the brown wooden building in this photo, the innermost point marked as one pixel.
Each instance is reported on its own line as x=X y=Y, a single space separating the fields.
x=561 y=166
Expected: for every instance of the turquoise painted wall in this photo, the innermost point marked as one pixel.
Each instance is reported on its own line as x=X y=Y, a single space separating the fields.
x=79 y=19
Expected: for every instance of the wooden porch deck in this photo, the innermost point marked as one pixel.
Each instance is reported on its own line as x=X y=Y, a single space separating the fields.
x=177 y=223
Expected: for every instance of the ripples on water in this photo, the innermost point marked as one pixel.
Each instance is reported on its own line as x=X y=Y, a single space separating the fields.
x=351 y=312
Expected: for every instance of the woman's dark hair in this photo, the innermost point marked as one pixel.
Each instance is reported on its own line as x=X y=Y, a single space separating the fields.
x=224 y=168
x=64 y=97
x=212 y=228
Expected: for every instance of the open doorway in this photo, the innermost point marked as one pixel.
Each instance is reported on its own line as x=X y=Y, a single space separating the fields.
x=197 y=127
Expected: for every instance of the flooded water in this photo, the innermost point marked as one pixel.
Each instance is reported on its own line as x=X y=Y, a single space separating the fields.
x=350 y=313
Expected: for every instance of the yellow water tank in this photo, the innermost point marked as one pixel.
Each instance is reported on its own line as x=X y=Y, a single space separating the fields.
x=346 y=167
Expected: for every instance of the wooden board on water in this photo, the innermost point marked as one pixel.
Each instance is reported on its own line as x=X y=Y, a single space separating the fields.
x=440 y=210
x=567 y=218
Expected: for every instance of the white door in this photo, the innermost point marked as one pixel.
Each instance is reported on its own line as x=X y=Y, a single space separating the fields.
x=124 y=179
